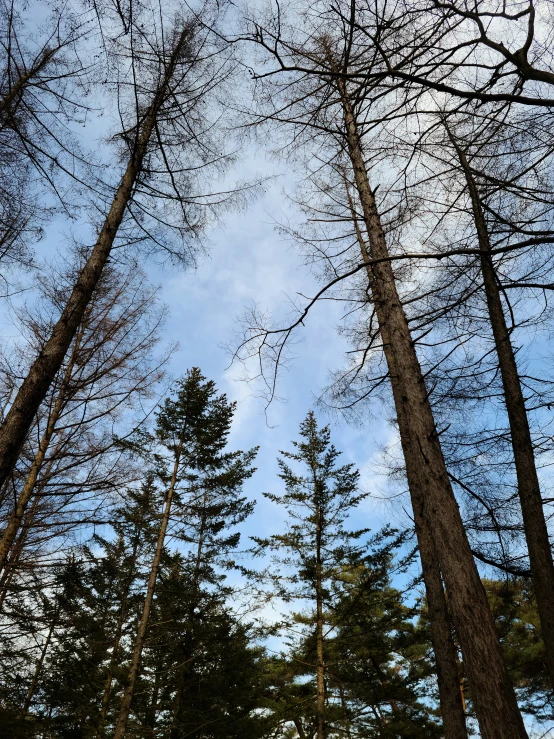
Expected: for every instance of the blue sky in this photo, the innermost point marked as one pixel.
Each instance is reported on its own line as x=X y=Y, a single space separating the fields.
x=248 y=263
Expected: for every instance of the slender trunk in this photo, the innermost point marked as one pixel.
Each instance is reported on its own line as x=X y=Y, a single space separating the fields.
x=117 y=640
x=187 y=648
x=153 y=709
x=299 y=728
x=14 y=556
x=33 y=686
x=32 y=392
x=320 y=662
x=121 y=725
x=14 y=522
x=494 y=698
x=452 y=711
x=534 y=523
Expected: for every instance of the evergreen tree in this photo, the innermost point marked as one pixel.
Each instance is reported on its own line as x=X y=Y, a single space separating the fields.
x=211 y=663
x=311 y=565
x=97 y=612
x=382 y=659
x=202 y=483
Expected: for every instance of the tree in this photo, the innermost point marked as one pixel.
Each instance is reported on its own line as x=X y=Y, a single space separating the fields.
x=212 y=658
x=534 y=522
x=319 y=64
x=381 y=666
x=191 y=434
x=315 y=564
x=163 y=116
x=70 y=462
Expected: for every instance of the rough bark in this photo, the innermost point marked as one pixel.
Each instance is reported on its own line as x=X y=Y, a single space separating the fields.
x=494 y=698
x=450 y=699
x=33 y=390
x=121 y=726
x=534 y=522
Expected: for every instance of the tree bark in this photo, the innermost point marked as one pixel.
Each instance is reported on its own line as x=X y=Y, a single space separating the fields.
x=534 y=522
x=121 y=725
x=450 y=699
x=494 y=699
x=33 y=390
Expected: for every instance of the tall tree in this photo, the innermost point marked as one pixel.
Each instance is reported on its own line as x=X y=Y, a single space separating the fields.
x=191 y=433
x=164 y=121
x=315 y=556
x=71 y=460
x=321 y=63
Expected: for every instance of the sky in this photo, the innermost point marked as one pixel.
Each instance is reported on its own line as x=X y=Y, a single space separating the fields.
x=250 y=263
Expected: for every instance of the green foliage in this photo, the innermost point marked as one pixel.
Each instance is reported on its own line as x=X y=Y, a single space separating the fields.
x=517 y=621
x=376 y=674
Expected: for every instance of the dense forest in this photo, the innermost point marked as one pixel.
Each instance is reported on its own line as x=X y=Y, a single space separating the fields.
x=155 y=579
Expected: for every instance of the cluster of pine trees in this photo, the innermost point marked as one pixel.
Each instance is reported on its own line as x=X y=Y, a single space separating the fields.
x=420 y=136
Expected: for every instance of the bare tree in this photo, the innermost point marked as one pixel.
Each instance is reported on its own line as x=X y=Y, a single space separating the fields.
x=316 y=96
x=165 y=121
x=71 y=461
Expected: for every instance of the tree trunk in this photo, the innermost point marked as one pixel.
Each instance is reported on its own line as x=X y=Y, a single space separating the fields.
x=117 y=639
x=33 y=390
x=33 y=686
x=534 y=523
x=10 y=101
x=494 y=698
x=121 y=725
x=14 y=556
x=452 y=711
x=29 y=486
x=320 y=662
x=187 y=647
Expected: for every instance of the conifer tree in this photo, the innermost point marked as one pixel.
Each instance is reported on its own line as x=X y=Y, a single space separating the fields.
x=211 y=663
x=317 y=552
x=200 y=480
x=95 y=612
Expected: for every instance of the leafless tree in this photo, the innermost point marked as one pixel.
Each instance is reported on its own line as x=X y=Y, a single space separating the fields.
x=71 y=464
x=313 y=90
x=167 y=139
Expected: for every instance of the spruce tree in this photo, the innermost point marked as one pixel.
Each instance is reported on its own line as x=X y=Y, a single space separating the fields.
x=317 y=552
x=202 y=483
